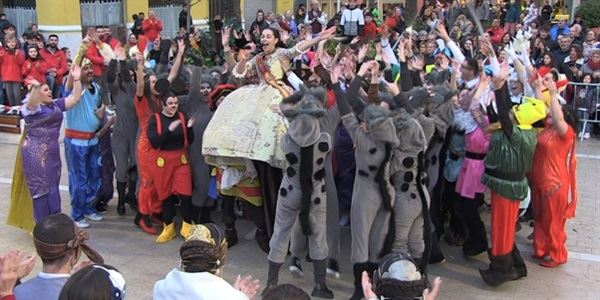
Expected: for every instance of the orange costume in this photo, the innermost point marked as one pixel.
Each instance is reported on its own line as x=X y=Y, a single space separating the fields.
x=146 y=155
x=552 y=176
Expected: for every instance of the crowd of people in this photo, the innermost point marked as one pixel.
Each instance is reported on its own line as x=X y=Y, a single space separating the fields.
x=399 y=131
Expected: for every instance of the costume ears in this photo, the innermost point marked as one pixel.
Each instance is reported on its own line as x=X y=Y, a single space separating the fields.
x=162 y=85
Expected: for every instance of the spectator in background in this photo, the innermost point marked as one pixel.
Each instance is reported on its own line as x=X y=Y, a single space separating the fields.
x=352 y=20
x=56 y=62
x=184 y=22
x=396 y=22
x=315 y=18
x=546 y=13
x=370 y=29
x=590 y=44
x=577 y=35
x=512 y=17
x=34 y=66
x=8 y=31
x=291 y=23
x=11 y=61
x=259 y=22
x=108 y=39
x=564 y=49
x=559 y=28
x=152 y=27
x=137 y=25
x=300 y=14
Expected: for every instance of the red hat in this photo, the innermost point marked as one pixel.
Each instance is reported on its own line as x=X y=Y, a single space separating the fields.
x=221 y=90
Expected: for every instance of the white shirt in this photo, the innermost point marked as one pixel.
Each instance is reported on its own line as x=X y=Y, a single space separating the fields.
x=179 y=285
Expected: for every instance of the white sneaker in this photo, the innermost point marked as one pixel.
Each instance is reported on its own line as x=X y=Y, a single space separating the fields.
x=586 y=135
x=580 y=134
x=94 y=217
x=83 y=223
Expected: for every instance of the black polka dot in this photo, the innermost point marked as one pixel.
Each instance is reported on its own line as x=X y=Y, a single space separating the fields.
x=408 y=162
x=323 y=146
x=290 y=172
x=433 y=160
x=404 y=187
x=372 y=168
x=283 y=192
x=412 y=195
x=363 y=173
x=373 y=150
x=317 y=200
x=323 y=189
x=291 y=158
x=409 y=176
x=320 y=161
x=290 y=187
x=320 y=174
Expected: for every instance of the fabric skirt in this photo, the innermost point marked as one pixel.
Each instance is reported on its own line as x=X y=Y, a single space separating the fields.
x=172 y=174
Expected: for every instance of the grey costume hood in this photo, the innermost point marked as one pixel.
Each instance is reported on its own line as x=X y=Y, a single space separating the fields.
x=303 y=111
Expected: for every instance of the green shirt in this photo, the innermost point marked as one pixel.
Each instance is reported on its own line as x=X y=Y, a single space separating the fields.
x=508 y=161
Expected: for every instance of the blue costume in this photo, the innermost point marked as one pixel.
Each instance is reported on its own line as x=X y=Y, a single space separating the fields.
x=84 y=162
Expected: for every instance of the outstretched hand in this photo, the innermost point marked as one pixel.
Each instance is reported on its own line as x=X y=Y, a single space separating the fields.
x=367 y=286
x=247 y=285
x=434 y=292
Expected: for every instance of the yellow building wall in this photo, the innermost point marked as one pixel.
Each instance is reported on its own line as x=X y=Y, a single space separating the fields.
x=58 y=12
x=282 y=5
x=135 y=7
x=200 y=10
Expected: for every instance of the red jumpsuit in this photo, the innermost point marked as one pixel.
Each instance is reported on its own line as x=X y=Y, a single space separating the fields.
x=146 y=156
x=552 y=176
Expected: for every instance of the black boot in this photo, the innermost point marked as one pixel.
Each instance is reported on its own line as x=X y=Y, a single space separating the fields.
x=262 y=239
x=320 y=271
x=436 y=256
x=500 y=271
x=121 y=188
x=273 y=277
x=358 y=270
x=231 y=234
x=518 y=263
x=100 y=204
x=131 y=199
x=333 y=268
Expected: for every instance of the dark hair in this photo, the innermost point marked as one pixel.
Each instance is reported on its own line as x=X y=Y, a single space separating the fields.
x=53 y=35
x=90 y=283
x=165 y=96
x=571 y=117
x=135 y=17
x=578 y=50
x=473 y=65
x=64 y=49
x=141 y=13
x=286 y=291
x=201 y=256
x=277 y=35
x=36 y=49
x=55 y=229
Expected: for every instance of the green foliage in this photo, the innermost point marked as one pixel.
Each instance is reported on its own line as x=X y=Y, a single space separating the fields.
x=590 y=13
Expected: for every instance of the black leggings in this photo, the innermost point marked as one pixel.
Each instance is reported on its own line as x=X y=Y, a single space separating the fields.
x=189 y=212
x=470 y=209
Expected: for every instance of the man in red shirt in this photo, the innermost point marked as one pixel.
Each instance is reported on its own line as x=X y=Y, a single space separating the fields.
x=57 y=64
x=152 y=26
x=98 y=64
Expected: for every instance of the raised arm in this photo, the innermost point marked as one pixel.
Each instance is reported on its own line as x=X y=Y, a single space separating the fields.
x=323 y=36
x=75 y=96
x=558 y=119
x=178 y=60
x=139 y=75
x=111 y=72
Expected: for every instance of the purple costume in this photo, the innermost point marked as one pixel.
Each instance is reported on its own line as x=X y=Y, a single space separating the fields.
x=41 y=156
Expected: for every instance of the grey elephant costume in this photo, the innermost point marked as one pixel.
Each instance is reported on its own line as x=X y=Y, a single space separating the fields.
x=124 y=138
x=328 y=124
x=302 y=192
x=408 y=176
x=196 y=107
x=373 y=196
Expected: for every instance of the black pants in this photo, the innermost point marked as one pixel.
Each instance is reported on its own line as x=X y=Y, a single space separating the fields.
x=477 y=236
x=270 y=180
x=453 y=204
x=189 y=212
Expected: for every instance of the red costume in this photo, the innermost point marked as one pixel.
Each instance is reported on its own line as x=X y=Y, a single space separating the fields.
x=93 y=54
x=10 y=65
x=146 y=160
x=171 y=172
x=552 y=176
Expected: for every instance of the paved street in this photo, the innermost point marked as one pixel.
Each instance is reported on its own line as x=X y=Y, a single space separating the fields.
x=143 y=262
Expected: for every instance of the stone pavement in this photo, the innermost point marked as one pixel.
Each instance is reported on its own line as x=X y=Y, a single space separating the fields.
x=143 y=262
